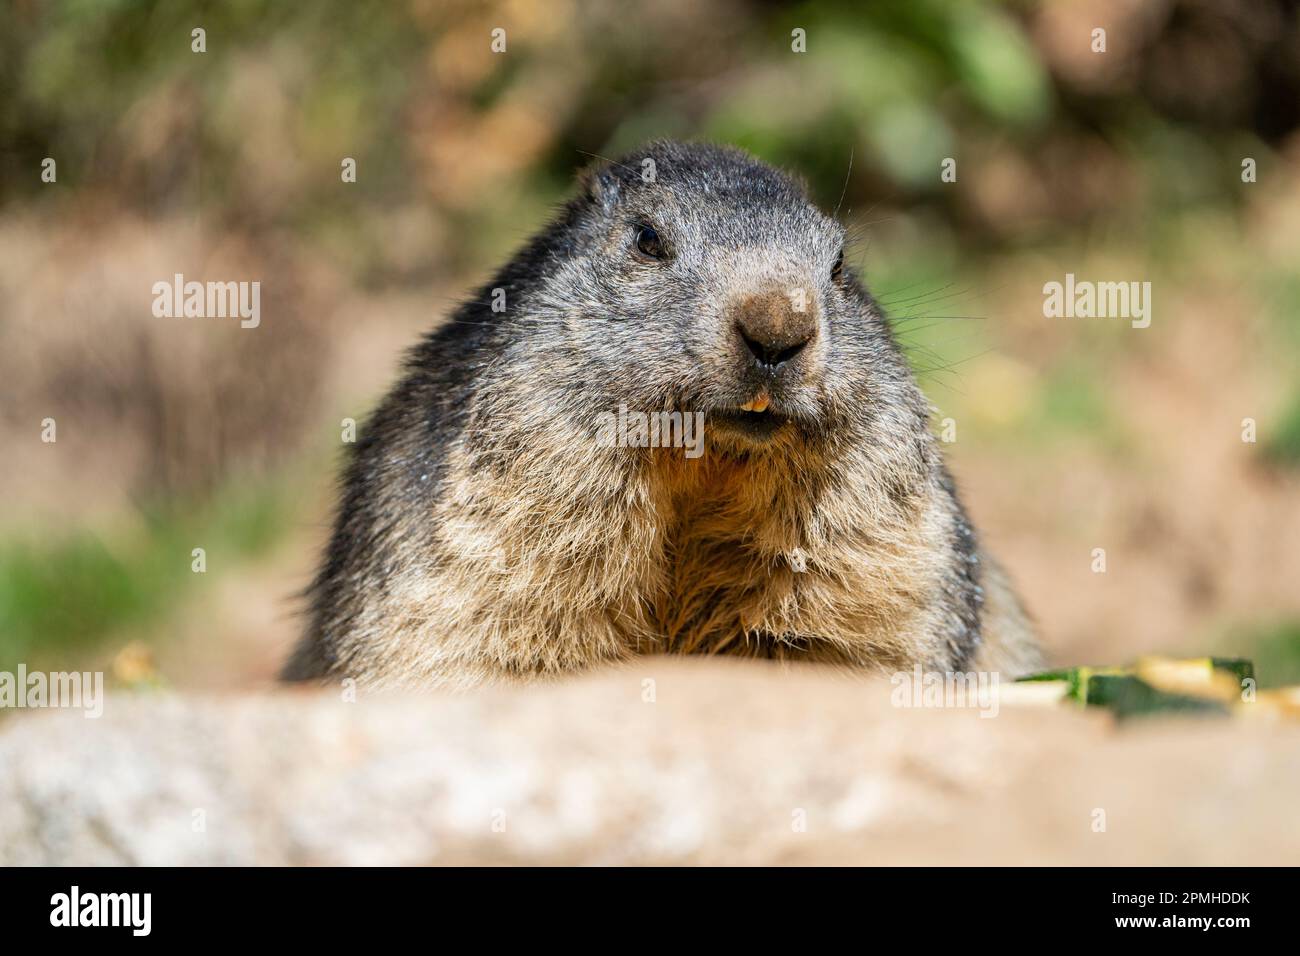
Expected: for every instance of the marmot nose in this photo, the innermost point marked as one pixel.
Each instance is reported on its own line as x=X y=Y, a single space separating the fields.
x=773 y=329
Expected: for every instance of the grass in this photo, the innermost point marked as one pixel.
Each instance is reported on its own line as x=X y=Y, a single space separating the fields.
x=1282 y=447
x=73 y=593
x=1274 y=646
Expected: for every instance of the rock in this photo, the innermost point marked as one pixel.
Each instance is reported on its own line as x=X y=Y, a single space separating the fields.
x=711 y=762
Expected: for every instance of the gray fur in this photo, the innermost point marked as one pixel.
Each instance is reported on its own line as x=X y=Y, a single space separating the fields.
x=484 y=534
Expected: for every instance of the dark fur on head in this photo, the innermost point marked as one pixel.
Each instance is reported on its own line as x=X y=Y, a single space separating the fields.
x=484 y=533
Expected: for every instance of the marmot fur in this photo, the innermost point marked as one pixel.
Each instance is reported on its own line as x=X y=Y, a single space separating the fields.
x=487 y=532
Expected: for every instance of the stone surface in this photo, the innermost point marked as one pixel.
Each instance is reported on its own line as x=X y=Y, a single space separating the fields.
x=731 y=763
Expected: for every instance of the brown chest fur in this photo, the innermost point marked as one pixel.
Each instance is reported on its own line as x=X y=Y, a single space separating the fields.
x=745 y=573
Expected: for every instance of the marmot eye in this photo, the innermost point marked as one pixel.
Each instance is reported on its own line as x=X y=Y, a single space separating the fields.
x=837 y=270
x=648 y=243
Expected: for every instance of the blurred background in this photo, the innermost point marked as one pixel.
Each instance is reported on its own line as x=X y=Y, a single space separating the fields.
x=1071 y=435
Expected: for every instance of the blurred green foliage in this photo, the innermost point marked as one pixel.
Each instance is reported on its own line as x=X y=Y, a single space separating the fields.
x=69 y=594
x=1273 y=645
x=252 y=131
x=1283 y=445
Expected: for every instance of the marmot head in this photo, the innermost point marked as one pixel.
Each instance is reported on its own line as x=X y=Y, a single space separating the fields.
x=689 y=277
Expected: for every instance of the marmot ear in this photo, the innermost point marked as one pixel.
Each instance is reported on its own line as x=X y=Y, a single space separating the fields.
x=601 y=186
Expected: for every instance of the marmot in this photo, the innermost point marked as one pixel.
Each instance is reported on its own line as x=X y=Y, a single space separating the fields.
x=486 y=532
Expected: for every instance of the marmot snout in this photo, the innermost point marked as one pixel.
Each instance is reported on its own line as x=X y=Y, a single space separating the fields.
x=775 y=327
x=488 y=531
